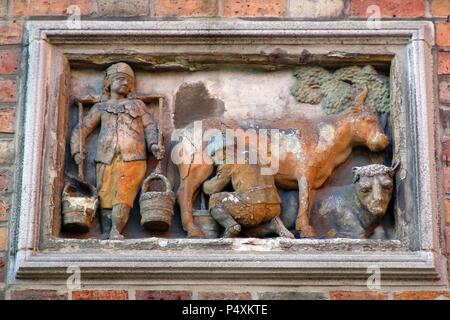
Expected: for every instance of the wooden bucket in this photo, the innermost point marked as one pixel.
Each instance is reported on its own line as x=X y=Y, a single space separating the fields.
x=78 y=207
x=156 y=206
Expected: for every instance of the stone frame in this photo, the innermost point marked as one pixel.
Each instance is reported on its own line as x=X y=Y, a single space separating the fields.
x=51 y=46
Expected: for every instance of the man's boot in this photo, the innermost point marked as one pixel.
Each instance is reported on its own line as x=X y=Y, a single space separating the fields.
x=232 y=228
x=120 y=214
x=105 y=223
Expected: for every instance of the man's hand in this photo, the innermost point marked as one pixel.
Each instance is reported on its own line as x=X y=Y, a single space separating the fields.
x=78 y=158
x=157 y=151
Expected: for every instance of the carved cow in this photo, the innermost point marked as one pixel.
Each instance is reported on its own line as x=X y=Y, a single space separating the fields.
x=310 y=150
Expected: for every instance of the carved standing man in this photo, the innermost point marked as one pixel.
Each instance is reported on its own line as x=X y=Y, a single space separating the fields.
x=127 y=132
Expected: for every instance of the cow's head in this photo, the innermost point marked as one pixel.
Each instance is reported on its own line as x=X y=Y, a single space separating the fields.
x=365 y=128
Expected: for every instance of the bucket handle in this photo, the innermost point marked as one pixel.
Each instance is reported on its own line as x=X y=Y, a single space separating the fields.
x=156 y=176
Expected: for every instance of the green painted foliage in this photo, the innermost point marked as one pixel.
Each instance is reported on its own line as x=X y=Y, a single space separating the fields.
x=336 y=91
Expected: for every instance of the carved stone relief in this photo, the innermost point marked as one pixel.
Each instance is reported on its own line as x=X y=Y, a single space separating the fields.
x=120 y=142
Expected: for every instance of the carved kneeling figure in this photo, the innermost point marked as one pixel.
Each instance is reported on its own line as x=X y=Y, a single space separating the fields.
x=255 y=204
x=355 y=211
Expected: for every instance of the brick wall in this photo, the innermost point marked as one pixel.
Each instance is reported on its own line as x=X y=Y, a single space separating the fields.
x=13 y=13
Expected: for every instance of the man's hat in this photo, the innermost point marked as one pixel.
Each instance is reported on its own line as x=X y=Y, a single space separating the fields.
x=120 y=67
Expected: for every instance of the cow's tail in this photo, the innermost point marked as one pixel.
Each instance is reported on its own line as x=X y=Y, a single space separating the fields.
x=362 y=96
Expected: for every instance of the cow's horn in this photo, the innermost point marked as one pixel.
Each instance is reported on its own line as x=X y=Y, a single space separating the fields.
x=362 y=96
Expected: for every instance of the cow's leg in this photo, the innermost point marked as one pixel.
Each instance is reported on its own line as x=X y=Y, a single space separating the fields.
x=305 y=198
x=191 y=178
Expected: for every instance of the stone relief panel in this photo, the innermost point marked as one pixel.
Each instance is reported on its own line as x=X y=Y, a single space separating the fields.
x=301 y=152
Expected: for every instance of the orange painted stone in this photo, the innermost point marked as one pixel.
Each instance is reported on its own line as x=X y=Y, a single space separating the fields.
x=253 y=8
x=361 y=295
x=186 y=8
x=388 y=8
x=51 y=7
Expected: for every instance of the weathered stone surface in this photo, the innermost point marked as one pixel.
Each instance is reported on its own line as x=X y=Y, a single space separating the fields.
x=163 y=295
x=10 y=32
x=31 y=294
x=7 y=118
x=444 y=63
x=8 y=91
x=292 y=295
x=120 y=8
x=9 y=61
x=444 y=91
x=364 y=295
x=3 y=238
x=50 y=7
x=388 y=8
x=6 y=151
x=423 y=295
x=197 y=8
x=224 y=296
x=316 y=8
x=100 y=295
x=440 y=8
x=253 y=8
x=443 y=34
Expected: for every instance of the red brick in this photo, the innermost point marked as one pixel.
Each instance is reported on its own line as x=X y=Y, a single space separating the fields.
x=7 y=118
x=3 y=238
x=447 y=238
x=30 y=294
x=447 y=179
x=444 y=63
x=100 y=295
x=4 y=209
x=389 y=8
x=120 y=8
x=8 y=91
x=253 y=8
x=5 y=181
x=440 y=8
x=422 y=295
x=10 y=32
x=443 y=34
x=444 y=90
x=9 y=61
x=6 y=151
x=224 y=296
x=362 y=295
x=447 y=211
x=197 y=8
x=50 y=7
x=163 y=295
